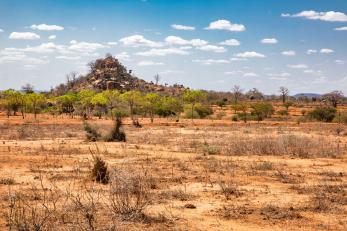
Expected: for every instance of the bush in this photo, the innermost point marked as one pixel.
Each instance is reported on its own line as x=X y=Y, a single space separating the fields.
x=220 y=115
x=117 y=133
x=341 y=117
x=188 y=114
x=325 y=114
x=262 y=110
x=203 y=110
x=100 y=172
x=91 y=133
x=235 y=118
x=283 y=112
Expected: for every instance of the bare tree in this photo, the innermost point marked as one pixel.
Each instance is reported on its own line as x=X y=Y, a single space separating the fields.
x=237 y=93
x=157 y=78
x=334 y=97
x=284 y=93
x=28 y=88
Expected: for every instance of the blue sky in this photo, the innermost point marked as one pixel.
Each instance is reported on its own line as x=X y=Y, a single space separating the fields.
x=202 y=44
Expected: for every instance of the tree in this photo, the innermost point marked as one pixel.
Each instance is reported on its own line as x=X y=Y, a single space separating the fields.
x=254 y=94
x=284 y=93
x=13 y=101
x=262 y=110
x=288 y=104
x=237 y=93
x=193 y=97
x=100 y=102
x=334 y=97
x=113 y=100
x=67 y=103
x=36 y=100
x=157 y=78
x=151 y=101
x=85 y=99
x=28 y=88
x=244 y=107
x=134 y=99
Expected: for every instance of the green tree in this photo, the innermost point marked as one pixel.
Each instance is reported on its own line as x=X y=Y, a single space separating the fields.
x=151 y=103
x=262 y=110
x=100 y=102
x=36 y=101
x=67 y=103
x=193 y=97
x=13 y=101
x=85 y=100
x=173 y=105
x=133 y=99
x=113 y=100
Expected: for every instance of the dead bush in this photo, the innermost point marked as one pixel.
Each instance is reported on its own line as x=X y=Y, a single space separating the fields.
x=100 y=172
x=128 y=195
x=117 y=133
x=92 y=134
x=7 y=181
x=229 y=188
x=271 y=212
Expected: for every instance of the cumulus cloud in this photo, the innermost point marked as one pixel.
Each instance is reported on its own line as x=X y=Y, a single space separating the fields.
x=124 y=56
x=233 y=72
x=68 y=57
x=182 y=27
x=139 y=41
x=250 y=74
x=175 y=40
x=211 y=61
x=24 y=35
x=163 y=52
x=341 y=28
x=230 y=42
x=311 y=51
x=166 y=72
x=329 y=16
x=223 y=24
x=288 y=53
x=112 y=43
x=213 y=48
x=238 y=59
x=250 y=54
x=298 y=66
x=1 y=30
x=51 y=37
x=269 y=41
x=149 y=63
x=326 y=51
x=46 y=27
x=85 y=46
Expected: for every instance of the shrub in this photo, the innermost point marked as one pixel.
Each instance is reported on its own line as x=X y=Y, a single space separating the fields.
x=341 y=117
x=91 y=133
x=262 y=110
x=189 y=115
x=203 y=110
x=326 y=114
x=100 y=172
x=234 y=118
x=283 y=112
x=220 y=115
x=117 y=133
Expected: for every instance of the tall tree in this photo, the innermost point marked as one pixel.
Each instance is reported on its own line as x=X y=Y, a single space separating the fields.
x=334 y=97
x=193 y=97
x=237 y=93
x=284 y=93
x=133 y=99
x=36 y=100
x=151 y=101
x=157 y=78
x=113 y=100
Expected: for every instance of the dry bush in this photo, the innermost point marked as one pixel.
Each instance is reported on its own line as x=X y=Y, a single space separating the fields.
x=272 y=212
x=229 y=188
x=235 y=212
x=128 y=194
x=100 y=172
x=92 y=134
x=7 y=181
x=117 y=132
x=176 y=194
x=263 y=166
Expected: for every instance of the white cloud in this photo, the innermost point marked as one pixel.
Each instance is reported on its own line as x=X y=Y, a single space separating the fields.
x=337 y=61
x=288 y=53
x=112 y=43
x=124 y=56
x=182 y=27
x=308 y=71
x=250 y=54
x=250 y=74
x=223 y=24
x=329 y=16
x=298 y=66
x=46 y=27
x=163 y=52
x=12 y=56
x=51 y=37
x=211 y=61
x=166 y=72
x=149 y=63
x=311 y=51
x=68 y=57
x=230 y=42
x=1 y=30
x=326 y=51
x=85 y=46
x=238 y=59
x=42 y=48
x=213 y=48
x=139 y=41
x=269 y=41
x=341 y=28
x=24 y=35
x=233 y=72
x=175 y=40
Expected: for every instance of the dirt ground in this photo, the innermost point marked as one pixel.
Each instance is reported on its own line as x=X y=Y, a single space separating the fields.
x=210 y=175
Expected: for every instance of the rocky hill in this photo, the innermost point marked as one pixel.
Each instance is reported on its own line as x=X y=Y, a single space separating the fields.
x=109 y=73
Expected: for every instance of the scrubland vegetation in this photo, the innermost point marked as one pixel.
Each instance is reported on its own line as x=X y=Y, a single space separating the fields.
x=127 y=160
